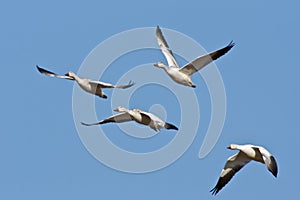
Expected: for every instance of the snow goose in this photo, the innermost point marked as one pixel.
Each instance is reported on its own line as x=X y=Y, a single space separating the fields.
x=90 y=86
x=183 y=75
x=137 y=115
x=246 y=153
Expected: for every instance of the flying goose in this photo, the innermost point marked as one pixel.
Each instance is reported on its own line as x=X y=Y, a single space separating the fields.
x=183 y=75
x=247 y=153
x=90 y=86
x=137 y=115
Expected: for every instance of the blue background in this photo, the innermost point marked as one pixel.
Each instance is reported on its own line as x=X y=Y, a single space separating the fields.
x=42 y=156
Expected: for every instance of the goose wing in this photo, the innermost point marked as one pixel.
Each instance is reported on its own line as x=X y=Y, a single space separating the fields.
x=165 y=48
x=269 y=160
x=146 y=119
x=108 y=85
x=202 y=61
x=272 y=165
x=119 y=118
x=232 y=166
x=52 y=74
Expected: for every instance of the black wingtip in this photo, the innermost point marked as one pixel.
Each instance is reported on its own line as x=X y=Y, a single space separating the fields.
x=131 y=83
x=85 y=124
x=43 y=71
x=274 y=172
x=214 y=191
x=231 y=44
x=158 y=30
x=273 y=168
x=38 y=68
x=103 y=96
x=170 y=126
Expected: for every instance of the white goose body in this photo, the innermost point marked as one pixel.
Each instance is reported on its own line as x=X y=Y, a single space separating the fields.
x=183 y=75
x=90 y=86
x=141 y=117
x=246 y=153
x=84 y=84
x=156 y=123
x=177 y=76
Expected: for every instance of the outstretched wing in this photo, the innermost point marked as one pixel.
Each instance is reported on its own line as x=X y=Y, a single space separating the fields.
x=202 y=61
x=232 y=166
x=165 y=48
x=52 y=74
x=119 y=118
x=269 y=160
x=108 y=85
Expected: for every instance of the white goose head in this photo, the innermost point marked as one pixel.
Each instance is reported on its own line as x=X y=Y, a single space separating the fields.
x=160 y=65
x=233 y=146
x=121 y=109
x=71 y=74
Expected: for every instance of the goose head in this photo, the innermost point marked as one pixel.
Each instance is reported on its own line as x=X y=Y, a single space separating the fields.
x=71 y=74
x=160 y=64
x=120 y=109
x=233 y=146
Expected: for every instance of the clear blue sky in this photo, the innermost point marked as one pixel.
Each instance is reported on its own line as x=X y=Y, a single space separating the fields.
x=42 y=156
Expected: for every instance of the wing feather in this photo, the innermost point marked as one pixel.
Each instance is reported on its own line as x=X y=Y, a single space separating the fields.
x=202 y=61
x=52 y=74
x=269 y=160
x=165 y=48
x=108 y=85
x=146 y=119
x=232 y=166
x=119 y=118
